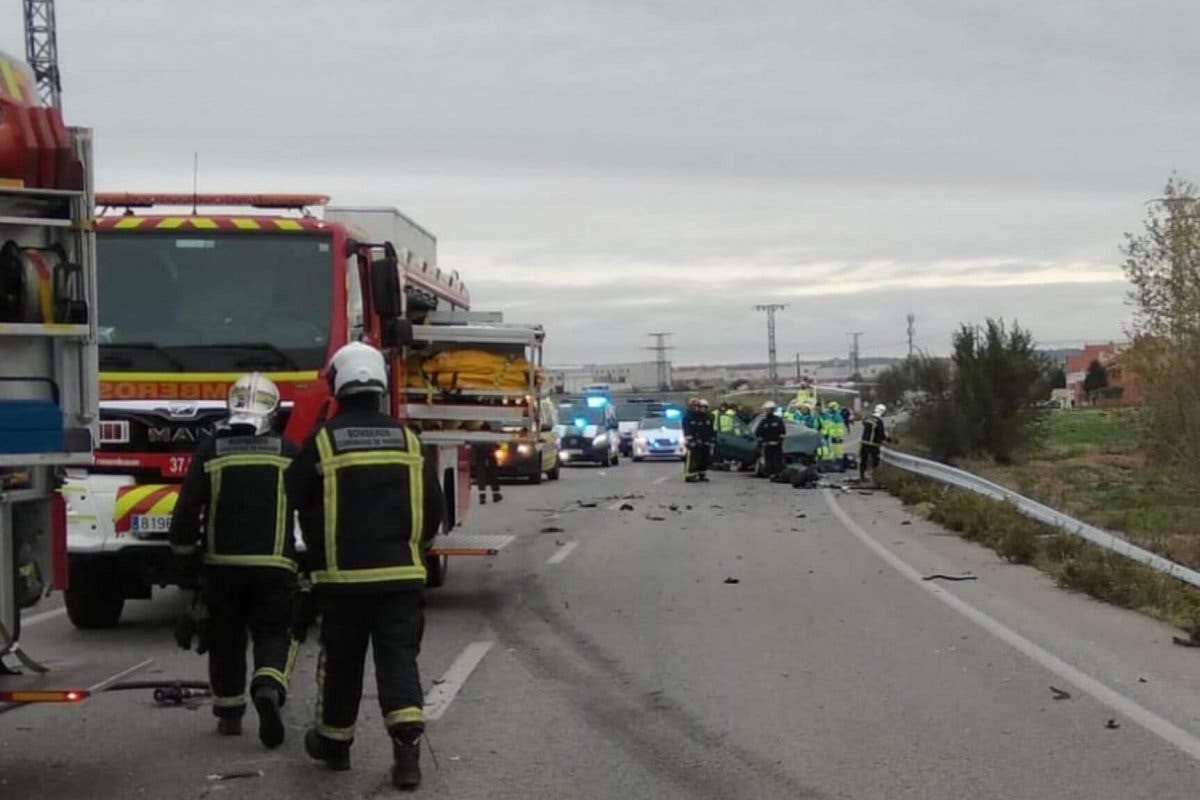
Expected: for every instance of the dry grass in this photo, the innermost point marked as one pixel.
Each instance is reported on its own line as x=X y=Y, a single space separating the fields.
x=1075 y=564
x=1093 y=464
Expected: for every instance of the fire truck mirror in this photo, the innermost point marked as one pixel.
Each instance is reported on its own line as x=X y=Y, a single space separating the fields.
x=385 y=287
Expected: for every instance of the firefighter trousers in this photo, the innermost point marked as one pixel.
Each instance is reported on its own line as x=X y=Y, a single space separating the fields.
x=254 y=603
x=393 y=624
x=868 y=458
x=772 y=453
x=483 y=459
x=696 y=462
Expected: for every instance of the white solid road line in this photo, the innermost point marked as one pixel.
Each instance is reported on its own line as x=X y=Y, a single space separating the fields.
x=663 y=478
x=42 y=617
x=560 y=555
x=1152 y=722
x=442 y=695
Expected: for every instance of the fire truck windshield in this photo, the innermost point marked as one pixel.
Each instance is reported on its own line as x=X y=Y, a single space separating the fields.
x=213 y=301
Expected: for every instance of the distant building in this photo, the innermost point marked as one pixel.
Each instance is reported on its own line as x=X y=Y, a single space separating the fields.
x=634 y=376
x=1123 y=388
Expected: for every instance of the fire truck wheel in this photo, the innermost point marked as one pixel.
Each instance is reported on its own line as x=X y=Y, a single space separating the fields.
x=94 y=596
x=435 y=571
x=553 y=473
x=535 y=477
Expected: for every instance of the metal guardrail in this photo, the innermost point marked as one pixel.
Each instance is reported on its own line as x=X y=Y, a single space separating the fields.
x=1039 y=511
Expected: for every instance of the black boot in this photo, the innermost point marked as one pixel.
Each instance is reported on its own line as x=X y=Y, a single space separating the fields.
x=496 y=496
x=482 y=499
x=406 y=757
x=336 y=755
x=267 y=701
x=229 y=726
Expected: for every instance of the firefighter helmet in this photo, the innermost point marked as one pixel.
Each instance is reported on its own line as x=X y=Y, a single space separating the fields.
x=357 y=368
x=253 y=400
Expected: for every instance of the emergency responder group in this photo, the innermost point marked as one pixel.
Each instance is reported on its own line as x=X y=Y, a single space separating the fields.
x=368 y=503
x=830 y=420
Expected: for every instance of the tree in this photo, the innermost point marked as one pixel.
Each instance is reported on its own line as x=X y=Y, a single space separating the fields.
x=1163 y=265
x=984 y=401
x=1095 y=379
x=1057 y=377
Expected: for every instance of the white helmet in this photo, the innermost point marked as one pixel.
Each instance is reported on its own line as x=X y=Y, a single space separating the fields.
x=253 y=400
x=356 y=368
x=880 y=410
x=769 y=406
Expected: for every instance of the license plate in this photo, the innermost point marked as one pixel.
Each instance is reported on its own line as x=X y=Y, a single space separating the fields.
x=145 y=525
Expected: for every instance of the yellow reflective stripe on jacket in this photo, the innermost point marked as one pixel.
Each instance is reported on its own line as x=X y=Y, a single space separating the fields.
x=416 y=492
x=372 y=459
x=214 y=478
x=226 y=560
x=247 y=460
x=370 y=575
x=329 y=483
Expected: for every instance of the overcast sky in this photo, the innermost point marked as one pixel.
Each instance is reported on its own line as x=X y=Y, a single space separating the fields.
x=610 y=167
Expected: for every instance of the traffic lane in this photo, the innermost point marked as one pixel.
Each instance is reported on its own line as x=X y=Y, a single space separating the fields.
x=132 y=745
x=823 y=661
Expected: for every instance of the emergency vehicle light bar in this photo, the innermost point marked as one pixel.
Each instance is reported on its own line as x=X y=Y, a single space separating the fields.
x=149 y=199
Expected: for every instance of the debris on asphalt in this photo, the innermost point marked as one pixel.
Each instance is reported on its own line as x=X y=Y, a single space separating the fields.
x=714 y=505
x=673 y=507
x=1142 y=680
x=732 y=580
x=687 y=508
x=906 y=522
x=551 y=529
x=1112 y=724
x=654 y=518
x=231 y=776
x=559 y=542
x=801 y=516
x=627 y=506
x=586 y=503
x=1059 y=694
x=1182 y=642
x=937 y=576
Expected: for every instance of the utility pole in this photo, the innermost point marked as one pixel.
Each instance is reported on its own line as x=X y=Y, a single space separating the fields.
x=41 y=50
x=772 y=368
x=660 y=347
x=797 y=369
x=854 y=354
x=912 y=332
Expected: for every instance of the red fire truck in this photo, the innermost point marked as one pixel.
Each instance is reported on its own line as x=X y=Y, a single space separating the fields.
x=192 y=299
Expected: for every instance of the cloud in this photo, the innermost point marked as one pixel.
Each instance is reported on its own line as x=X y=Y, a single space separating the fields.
x=611 y=167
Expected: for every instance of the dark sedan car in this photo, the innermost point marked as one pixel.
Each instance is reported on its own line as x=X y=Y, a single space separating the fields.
x=740 y=446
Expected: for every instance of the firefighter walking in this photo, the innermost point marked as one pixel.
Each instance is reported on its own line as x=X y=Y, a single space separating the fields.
x=698 y=434
x=874 y=435
x=235 y=486
x=369 y=502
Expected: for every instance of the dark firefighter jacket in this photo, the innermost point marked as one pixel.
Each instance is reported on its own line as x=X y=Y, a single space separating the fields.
x=235 y=482
x=771 y=429
x=874 y=433
x=698 y=425
x=368 y=501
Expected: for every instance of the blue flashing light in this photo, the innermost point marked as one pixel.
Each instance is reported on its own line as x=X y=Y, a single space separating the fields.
x=597 y=402
x=673 y=413
x=581 y=422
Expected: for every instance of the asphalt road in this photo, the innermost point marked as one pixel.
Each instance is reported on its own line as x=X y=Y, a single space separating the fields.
x=737 y=639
